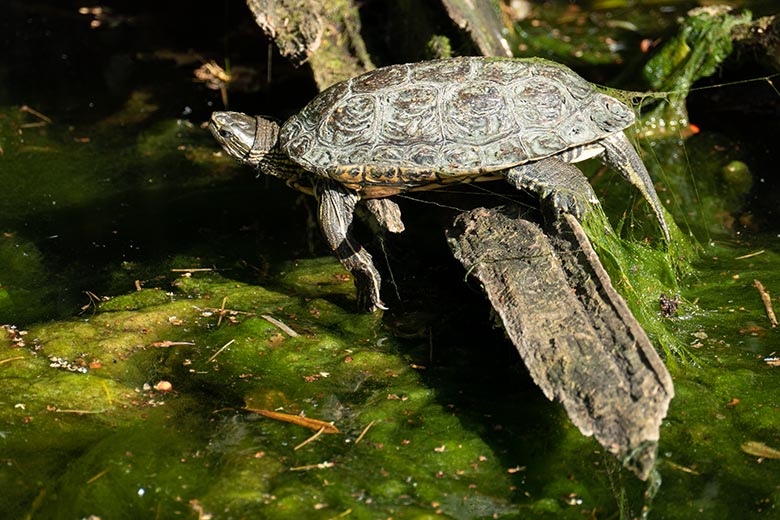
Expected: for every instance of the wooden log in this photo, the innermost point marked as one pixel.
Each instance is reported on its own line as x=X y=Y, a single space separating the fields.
x=575 y=333
x=484 y=23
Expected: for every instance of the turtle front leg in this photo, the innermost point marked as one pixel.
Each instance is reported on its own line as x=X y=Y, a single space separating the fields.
x=620 y=155
x=564 y=184
x=335 y=211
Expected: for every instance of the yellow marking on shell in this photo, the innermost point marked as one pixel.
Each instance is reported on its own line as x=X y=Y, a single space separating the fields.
x=392 y=175
x=374 y=183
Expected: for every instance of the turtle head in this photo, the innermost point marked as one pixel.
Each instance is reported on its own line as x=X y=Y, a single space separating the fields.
x=251 y=140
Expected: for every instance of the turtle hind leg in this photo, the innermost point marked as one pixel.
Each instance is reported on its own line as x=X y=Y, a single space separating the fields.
x=620 y=155
x=562 y=183
x=336 y=206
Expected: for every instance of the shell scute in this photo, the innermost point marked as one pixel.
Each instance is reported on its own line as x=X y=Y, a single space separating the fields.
x=313 y=112
x=416 y=176
x=509 y=150
x=609 y=114
x=474 y=112
x=387 y=154
x=386 y=77
x=296 y=141
x=423 y=156
x=539 y=102
x=579 y=129
x=378 y=176
x=409 y=114
x=350 y=173
x=350 y=121
x=452 y=71
x=503 y=72
x=544 y=144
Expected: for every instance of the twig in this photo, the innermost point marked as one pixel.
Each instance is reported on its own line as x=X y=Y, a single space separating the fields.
x=270 y=319
x=767 y=303
x=310 y=439
x=227 y=311
x=94 y=299
x=94 y=478
x=314 y=424
x=681 y=468
x=759 y=449
x=321 y=465
x=222 y=311
x=365 y=431
x=750 y=255
x=218 y=352
x=30 y=110
x=166 y=343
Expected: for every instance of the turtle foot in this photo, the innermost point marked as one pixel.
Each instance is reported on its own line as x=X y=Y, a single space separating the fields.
x=368 y=281
x=336 y=206
x=368 y=300
x=562 y=183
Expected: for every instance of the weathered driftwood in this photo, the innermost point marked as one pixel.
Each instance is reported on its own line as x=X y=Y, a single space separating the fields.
x=576 y=335
x=484 y=23
x=324 y=33
x=295 y=26
x=759 y=37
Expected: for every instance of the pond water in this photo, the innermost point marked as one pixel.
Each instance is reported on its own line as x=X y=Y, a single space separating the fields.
x=226 y=301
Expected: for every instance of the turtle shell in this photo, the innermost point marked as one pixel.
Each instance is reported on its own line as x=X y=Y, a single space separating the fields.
x=442 y=121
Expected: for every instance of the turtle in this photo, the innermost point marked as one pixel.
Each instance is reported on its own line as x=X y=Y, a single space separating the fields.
x=430 y=124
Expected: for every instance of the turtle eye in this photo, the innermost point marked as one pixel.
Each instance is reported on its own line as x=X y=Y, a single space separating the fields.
x=225 y=134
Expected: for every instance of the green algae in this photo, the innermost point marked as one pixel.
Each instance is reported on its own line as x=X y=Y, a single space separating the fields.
x=311 y=276
x=696 y=51
x=402 y=451
x=22 y=280
x=136 y=441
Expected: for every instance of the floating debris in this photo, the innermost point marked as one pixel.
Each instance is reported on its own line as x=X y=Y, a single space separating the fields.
x=286 y=328
x=770 y=313
x=759 y=449
x=314 y=424
x=668 y=305
x=58 y=362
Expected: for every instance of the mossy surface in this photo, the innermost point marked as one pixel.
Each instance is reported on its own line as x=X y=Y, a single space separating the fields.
x=413 y=440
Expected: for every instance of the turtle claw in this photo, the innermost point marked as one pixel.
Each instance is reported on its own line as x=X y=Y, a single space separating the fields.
x=369 y=300
x=621 y=156
x=367 y=279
